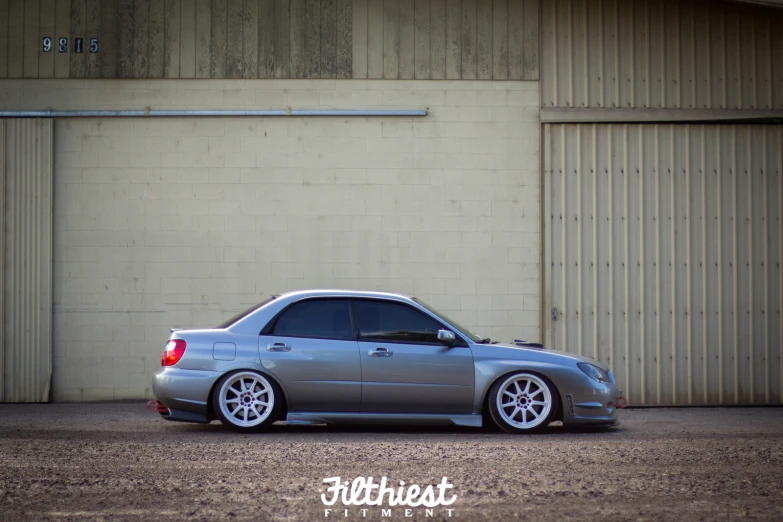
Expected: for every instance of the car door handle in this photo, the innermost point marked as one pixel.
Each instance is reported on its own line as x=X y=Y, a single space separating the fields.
x=380 y=352
x=278 y=347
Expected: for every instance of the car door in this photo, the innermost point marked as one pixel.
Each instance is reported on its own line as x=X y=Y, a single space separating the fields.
x=311 y=348
x=405 y=369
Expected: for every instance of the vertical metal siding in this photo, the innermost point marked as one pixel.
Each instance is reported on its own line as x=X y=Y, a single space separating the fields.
x=661 y=54
x=437 y=39
x=666 y=250
x=177 y=38
x=27 y=260
x=2 y=257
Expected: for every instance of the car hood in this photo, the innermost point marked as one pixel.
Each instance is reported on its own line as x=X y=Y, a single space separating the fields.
x=514 y=351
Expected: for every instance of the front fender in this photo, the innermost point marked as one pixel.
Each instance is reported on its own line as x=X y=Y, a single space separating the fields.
x=489 y=371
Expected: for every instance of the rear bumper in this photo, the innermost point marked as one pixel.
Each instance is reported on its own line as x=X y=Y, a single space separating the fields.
x=184 y=392
x=185 y=416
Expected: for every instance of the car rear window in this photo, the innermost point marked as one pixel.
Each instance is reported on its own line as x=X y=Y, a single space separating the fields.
x=325 y=318
x=244 y=313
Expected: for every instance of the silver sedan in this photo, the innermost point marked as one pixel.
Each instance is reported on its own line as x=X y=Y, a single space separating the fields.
x=322 y=357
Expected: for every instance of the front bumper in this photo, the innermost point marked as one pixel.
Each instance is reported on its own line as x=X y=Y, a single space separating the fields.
x=590 y=403
x=184 y=392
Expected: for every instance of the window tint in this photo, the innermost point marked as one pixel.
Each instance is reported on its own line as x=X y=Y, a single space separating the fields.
x=382 y=320
x=316 y=318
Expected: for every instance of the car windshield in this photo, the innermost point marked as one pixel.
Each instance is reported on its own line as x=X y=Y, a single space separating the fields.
x=244 y=313
x=464 y=331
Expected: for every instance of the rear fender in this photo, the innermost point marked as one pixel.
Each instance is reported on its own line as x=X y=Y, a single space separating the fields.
x=248 y=366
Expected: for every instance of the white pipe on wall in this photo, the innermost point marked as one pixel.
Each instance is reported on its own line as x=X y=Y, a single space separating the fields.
x=213 y=113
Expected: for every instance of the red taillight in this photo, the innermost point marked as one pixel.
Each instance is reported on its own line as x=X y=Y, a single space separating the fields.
x=173 y=352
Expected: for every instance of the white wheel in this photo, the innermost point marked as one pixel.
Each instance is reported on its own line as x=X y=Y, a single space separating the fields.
x=522 y=402
x=245 y=400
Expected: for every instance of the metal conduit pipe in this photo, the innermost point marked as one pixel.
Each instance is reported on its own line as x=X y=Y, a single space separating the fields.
x=154 y=113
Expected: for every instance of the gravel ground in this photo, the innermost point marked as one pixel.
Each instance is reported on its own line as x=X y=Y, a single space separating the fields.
x=120 y=462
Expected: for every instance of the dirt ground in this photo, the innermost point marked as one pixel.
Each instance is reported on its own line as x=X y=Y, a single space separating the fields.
x=120 y=462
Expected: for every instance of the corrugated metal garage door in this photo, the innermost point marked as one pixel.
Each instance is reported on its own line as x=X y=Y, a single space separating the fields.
x=664 y=251
x=25 y=260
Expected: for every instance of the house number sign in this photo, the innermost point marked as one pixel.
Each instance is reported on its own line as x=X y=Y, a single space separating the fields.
x=62 y=45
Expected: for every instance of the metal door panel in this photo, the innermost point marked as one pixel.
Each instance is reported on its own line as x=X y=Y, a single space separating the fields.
x=416 y=378
x=318 y=374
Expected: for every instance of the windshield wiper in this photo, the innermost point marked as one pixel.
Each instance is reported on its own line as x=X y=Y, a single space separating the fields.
x=485 y=340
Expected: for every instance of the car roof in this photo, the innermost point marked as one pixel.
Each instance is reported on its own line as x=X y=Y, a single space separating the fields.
x=342 y=293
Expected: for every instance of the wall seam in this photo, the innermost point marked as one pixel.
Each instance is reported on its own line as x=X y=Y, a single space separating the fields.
x=688 y=262
x=657 y=172
x=765 y=263
x=749 y=230
x=3 y=160
x=720 y=261
x=702 y=261
x=734 y=263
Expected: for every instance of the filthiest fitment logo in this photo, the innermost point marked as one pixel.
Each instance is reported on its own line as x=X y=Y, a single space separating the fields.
x=406 y=500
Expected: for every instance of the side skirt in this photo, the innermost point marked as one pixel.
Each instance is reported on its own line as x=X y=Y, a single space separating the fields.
x=300 y=418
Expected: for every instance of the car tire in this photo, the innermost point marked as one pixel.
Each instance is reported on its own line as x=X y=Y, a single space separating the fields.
x=523 y=402
x=247 y=401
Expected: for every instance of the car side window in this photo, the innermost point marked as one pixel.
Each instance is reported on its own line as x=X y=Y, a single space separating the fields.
x=387 y=321
x=328 y=318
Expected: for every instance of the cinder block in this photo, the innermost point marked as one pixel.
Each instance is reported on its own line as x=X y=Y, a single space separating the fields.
x=460 y=97
x=96 y=333
x=492 y=318
x=507 y=302
x=523 y=317
x=271 y=99
x=524 y=98
x=492 y=99
x=239 y=127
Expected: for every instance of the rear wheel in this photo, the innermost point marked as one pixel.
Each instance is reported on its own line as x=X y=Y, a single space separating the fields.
x=246 y=401
x=523 y=402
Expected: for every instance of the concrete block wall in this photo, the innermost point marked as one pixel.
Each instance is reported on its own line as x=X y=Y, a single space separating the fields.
x=183 y=222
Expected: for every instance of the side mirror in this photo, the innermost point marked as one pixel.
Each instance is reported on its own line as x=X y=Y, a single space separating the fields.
x=447 y=337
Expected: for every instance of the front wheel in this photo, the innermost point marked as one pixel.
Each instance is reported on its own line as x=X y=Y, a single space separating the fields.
x=246 y=401
x=523 y=403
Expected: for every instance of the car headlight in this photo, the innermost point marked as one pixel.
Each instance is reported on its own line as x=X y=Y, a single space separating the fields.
x=594 y=372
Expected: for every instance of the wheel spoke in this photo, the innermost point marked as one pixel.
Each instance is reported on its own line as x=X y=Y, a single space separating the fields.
x=254 y=410
x=260 y=403
x=524 y=416
x=260 y=393
x=519 y=390
x=236 y=409
x=237 y=392
x=245 y=413
x=538 y=403
x=535 y=414
x=232 y=401
x=512 y=395
x=540 y=390
x=252 y=385
x=527 y=387
x=509 y=405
